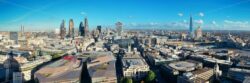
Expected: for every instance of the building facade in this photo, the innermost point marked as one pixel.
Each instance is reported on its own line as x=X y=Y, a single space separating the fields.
x=14 y=36
x=62 y=30
x=191 y=31
x=86 y=26
x=119 y=28
x=71 y=28
x=134 y=65
x=198 y=33
x=81 y=29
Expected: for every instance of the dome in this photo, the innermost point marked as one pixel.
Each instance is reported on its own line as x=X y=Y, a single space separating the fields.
x=11 y=63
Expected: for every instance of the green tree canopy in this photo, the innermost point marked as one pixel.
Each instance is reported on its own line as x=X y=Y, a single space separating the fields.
x=127 y=80
x=150 y=77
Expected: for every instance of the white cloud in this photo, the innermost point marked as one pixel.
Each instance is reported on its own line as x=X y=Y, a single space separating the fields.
x=185 y=21
x=236 y=24
x=180 y=14
x=83 y=13
x=178 y=24
x=201 y=14
x=200 y=21
x=214 y=22
x=153 y=23
x=184 y=24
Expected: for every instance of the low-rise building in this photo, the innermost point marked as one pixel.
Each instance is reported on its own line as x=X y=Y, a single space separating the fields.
x=204 y=75
x=156 y=59
x=243 y=64
x=134 y=65
x=238 y=74
x=172 y=70
x=67 y=70
x=102 y=69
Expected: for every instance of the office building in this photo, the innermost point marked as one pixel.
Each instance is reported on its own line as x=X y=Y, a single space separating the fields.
x=191 y=31
x=86 y=26
x=17 y=77
x=57 y=31
x=65 y=70
x=71 y=28
x=238 y=74
x=119 y=28
x=62 y=30
x=99 y=28
x=102 y=69
x=81 y=29
x=22 y=31
x=134 y=66
x=14 y=36
x=198 y=33
x=204 y=75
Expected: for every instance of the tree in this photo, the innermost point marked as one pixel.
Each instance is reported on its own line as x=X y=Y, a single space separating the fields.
x=150 y=77
x=127 y=80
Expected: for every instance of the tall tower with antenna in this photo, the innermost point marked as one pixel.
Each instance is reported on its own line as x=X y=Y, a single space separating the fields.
x=22 y=31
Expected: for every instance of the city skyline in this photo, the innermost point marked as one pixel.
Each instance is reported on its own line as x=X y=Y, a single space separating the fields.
x=125 y=41
x=136 y=14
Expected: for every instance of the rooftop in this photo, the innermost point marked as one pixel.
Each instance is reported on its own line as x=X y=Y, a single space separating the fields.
x=183 y=65
x=103 y=70
x=214 y=60
x=133 y=62
x=102 y=66
x=240 y=70
x=199 y=71
x=61 y=70
x=132 y=55
x=93 y=54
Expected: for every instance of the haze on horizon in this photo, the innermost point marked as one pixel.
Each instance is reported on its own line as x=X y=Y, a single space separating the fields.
x=135 y=14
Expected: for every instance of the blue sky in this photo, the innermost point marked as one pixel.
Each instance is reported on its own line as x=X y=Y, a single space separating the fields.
x=158 y=14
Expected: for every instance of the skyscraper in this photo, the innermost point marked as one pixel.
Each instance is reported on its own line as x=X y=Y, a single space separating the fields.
x=22 y=30
x=119 y=28
x=191 y=31
x=71 y=28
x=99 y=28
x=14 y=36
x=62 y=30
x=81 y=29
x=198 y=33
x=86 y=26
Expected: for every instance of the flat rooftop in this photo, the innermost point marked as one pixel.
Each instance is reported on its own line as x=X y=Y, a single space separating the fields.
x=102 y=66
x=240 y=70
x=103 y=70
x=60 y=71
x=132 y=55
x=219 y=61
x=133 y=62
x=183 y=65
x=93 y=54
